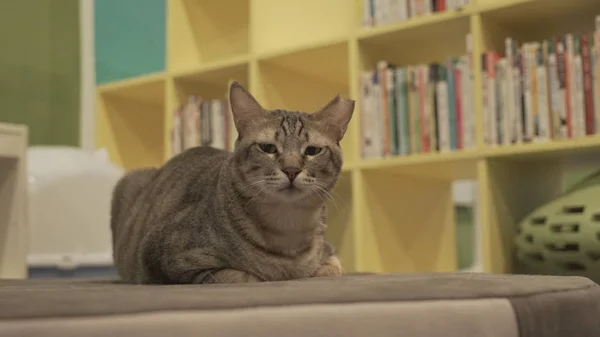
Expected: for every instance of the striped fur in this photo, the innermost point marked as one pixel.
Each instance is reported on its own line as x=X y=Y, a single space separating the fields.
x=256 y=214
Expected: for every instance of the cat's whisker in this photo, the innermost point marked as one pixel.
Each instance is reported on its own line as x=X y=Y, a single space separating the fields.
x=329 y=196
x=257 y=193
x=247 y=187
x=333 y=192
x=316 y=190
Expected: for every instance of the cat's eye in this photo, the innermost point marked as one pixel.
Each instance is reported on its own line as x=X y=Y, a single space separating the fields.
x=268 y=148
x=312 y=151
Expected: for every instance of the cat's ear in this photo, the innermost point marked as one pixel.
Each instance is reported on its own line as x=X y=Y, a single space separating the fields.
x=244 y=107
x=335 y=116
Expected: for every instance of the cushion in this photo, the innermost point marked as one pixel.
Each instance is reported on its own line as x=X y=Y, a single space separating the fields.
x=444 y=304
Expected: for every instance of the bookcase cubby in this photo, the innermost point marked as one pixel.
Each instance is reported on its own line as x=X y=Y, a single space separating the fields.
x=130 y=121
x=389 y=214
x=205 y=32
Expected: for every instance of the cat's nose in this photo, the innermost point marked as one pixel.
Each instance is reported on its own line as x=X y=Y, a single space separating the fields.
x=291 y=172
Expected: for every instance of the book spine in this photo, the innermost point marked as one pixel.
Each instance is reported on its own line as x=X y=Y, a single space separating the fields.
x=553 y=90
x=469 y=127
x=189 y=125
x=533 y=113
x=378 y=108
x=367 y=14
x=415 y=139
x=499 y=112
x=491 y=96
x=548 y=102
x=443 y=114
x=579 y=105
x=485 y=106
x=203 y=124
x=542 y=90
x=441 y=5
x=518 y=94
x=400 y=109
x=529 y=125
x=176 y=131
x=587 y=85
x=505 y=102
x=451 y=103
x=511 y=115
x=563 y=100
x=433 y=80
x=596 y=81
x=385 y=114
x=423 y=128
x=570 y=87
x=403 y=9
x=390 y=75
x=458 y=102
x=407 y=113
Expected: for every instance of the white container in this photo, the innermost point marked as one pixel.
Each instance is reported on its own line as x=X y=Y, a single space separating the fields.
x=69 y=207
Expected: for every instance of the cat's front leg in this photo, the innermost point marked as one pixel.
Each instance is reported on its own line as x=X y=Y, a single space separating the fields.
x=228 y=276
x=331 y=267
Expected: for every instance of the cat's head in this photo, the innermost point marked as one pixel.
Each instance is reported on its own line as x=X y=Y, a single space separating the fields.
x=287 y=156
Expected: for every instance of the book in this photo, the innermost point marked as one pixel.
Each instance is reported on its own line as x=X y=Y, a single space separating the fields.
x=384 y=12
x=416 y=108
x=201 y=122
x=542 y=90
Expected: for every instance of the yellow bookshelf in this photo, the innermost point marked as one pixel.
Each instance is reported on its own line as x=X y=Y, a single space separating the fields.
x=390 y=215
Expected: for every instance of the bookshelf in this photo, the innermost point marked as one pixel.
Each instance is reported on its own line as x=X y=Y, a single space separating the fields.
x=392 y=214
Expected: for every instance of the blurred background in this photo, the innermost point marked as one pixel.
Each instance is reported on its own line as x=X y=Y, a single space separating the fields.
x=474 y=145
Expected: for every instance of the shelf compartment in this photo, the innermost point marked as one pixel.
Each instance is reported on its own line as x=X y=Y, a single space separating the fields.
x=208 y=84
x=509 y=191
x=327 y=62
x=217 y=72
x=408 y=224
x=431 y=38
x=146 y=88
x=340 y=222
x=527 y=21
x=279 y=25
x=415 y=23
x=306 y=81
x=571 y=149
x=130 y=122
x=211 y=82
x=205 y=31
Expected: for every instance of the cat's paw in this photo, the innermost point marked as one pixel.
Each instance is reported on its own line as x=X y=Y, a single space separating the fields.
x=331 y=267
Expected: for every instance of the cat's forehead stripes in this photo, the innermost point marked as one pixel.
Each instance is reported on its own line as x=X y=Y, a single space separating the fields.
x=291 y=124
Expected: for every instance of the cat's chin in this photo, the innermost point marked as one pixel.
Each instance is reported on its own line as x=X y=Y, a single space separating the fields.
x=291 y=194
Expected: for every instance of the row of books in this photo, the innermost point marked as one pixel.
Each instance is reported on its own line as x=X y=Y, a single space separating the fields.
x=542 y=90
x=417 y=109
x=381 y=12
x=201 y=122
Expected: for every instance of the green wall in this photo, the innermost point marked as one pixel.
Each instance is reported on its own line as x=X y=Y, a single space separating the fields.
x=40 y=69
x=129 y=38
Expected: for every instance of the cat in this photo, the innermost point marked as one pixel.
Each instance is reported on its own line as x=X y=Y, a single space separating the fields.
x=255 y=214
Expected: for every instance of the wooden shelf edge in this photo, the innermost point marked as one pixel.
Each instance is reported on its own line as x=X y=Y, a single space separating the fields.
x=420 y=21
x=554 y=148
x=500 y=5
x=265 y=56
x=418 y=159
x=232 y=62
x=569 y=146
x=132 y=82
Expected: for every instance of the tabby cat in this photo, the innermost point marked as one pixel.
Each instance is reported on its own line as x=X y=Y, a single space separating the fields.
x=251 y=215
